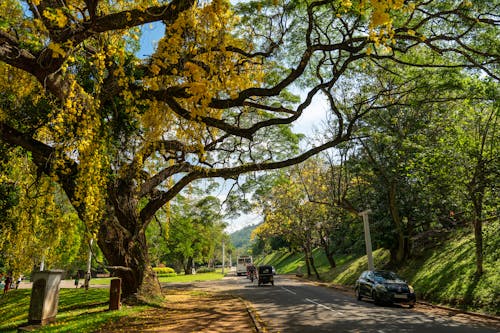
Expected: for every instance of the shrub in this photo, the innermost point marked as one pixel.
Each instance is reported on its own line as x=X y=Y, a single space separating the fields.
x=164 y=271
x=205 y=270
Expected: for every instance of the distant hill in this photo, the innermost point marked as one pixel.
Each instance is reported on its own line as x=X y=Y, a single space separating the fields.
x=241 y=239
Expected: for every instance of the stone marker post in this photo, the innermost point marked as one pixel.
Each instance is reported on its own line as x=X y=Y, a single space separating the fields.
x=115 y=291
x=44 y=297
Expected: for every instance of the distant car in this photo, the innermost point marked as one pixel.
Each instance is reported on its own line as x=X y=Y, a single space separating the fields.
x=384 y=287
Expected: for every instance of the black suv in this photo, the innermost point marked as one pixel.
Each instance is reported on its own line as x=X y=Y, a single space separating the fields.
x=384 y=287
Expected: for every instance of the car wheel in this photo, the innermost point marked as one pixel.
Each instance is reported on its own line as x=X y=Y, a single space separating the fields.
x=358 y=294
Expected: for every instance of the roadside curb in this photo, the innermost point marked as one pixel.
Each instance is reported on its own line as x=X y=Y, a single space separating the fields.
x=259 y=325
x=476 y=314
x=442 y=307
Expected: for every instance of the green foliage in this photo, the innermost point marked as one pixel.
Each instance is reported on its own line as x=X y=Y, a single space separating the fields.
x=241 y=238
x=205 y=270
x=39 y=220
x=447 y=274
x=287 y=262
x=348 y=273
x=193 y=233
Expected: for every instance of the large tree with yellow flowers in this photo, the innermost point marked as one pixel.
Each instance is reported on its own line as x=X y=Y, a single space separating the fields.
x=123 y=135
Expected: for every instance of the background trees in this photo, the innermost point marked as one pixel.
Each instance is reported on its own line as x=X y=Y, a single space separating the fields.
x=191 y=236
x=414 y=166
x=122 y=136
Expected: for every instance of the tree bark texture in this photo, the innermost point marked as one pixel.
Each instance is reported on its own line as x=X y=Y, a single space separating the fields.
x=401 y=252
x=325 y=244
x=123 y=243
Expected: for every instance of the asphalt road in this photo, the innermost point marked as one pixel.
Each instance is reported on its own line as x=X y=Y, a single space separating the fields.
x=293 y=305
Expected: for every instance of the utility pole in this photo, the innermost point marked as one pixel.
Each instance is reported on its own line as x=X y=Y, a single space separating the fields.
x=223 y=257
x=368 y=239
x=89 y=265
x=42 y=264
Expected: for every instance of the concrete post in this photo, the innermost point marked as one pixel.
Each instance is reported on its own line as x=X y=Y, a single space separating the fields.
x=115 y=291
x=368 y=240
x=44 y=297
x=223 y=258
x=89 y=266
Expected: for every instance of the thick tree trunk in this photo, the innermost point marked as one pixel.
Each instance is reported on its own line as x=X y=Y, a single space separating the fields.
x=311 y=260
x=329 y=254
x=308 y=264
x=330 y=258
x=477 y=199
x=188 y=267
x=478 y=235
x=400 y=252
x=122 y=240
x=128 y=258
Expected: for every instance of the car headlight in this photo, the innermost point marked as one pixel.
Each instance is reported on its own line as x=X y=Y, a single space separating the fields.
x=380 y=287
x=411 y=289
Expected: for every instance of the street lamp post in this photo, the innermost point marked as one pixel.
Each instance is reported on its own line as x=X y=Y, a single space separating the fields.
x=223 y=257
x=368 y=240
x=89 y=266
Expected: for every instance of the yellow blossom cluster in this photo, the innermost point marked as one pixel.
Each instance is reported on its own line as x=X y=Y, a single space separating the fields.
x=194 y=54
x=381 y=14
x=76 y=129
x=38 y=228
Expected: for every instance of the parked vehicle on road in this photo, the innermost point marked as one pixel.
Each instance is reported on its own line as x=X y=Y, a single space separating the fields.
x=265 y=275
x=384 y=287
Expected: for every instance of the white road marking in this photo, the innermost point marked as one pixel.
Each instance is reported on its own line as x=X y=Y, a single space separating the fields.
x=323 y=306
x=291 y=292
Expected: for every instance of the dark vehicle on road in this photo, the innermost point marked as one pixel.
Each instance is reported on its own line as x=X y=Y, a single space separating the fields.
x=384 y=287
x=265 y=275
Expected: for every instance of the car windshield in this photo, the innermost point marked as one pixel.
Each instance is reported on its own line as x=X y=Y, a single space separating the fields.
x=382 y=276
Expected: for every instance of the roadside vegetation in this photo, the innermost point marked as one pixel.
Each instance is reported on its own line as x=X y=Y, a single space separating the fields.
x=103 y=145
x=442 y=275
x=81 y=310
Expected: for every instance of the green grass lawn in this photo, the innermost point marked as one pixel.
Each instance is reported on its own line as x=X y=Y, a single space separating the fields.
x=171 y=279
x=79 y=310
x=191 y=278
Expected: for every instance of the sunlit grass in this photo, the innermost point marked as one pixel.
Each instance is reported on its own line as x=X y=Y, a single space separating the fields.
x=294 y=263
x=101 y=281
x=447 y=274
x=79 y=310
x=191 y=278
x=173 y=279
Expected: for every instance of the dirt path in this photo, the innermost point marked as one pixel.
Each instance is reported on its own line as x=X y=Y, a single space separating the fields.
x=189 y=311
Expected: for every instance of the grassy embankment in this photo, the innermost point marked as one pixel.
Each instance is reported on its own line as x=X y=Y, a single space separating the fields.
x=443 y=275
x=79 y=310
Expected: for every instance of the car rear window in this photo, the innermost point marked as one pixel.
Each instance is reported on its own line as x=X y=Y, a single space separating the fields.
x=386 y=276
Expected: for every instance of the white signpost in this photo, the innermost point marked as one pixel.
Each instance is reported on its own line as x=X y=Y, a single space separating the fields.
x=368 y=239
